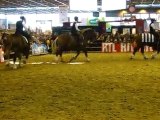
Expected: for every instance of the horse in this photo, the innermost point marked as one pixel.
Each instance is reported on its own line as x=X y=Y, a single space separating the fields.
x=67 y=42
x=139 y=41
x=18 y=46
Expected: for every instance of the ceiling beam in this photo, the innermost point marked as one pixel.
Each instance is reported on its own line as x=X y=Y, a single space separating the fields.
x=61 y=2
x=14 y=3
x=50 y=3
x=39 y=3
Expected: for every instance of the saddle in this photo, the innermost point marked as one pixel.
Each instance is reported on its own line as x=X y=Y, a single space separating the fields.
x=18 y=34
x=25 y=39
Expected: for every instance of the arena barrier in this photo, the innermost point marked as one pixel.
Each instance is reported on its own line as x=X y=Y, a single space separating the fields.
x=120 y=47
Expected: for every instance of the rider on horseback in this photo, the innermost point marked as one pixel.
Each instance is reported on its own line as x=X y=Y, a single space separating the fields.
x=153 y=29
x=20 y=26
x=75 y=31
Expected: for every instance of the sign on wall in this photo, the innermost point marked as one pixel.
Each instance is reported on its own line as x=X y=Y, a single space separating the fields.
x=63 y=10
x=3 y=23
x=120 y=47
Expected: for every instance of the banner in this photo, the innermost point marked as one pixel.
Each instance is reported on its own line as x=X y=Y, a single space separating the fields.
x=38 y=49
x=63 y=10
x=120 y=47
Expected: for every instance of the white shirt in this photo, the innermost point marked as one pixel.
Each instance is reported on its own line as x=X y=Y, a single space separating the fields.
x=153 y=26
x=76 y=26
x=24 y=25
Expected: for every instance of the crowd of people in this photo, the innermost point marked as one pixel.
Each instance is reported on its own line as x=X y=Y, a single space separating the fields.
x=46 y=39
x=115 y=38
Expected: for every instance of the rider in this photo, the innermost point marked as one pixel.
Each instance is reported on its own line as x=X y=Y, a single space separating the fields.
x=20 y=26
x=153 y=29
x=75 y=30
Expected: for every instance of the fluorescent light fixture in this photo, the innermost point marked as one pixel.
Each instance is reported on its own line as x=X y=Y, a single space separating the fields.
x=85 y=5
x=113 y=5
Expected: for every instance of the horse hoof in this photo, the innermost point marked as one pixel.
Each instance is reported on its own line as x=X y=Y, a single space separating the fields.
x=71 y=59
x=7 y=64
x=21 y=65
x=62 y=61
x=88 y=60
x=14 y=67
x=56 y=62
x=131 y=58
x=24 y=62
x=152 y=57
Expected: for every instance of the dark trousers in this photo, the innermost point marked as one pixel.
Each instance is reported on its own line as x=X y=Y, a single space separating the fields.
x=77 y=37
x=24 y=33
x=157 y=39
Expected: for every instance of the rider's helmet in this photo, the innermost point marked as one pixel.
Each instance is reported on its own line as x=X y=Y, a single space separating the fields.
x=153 y=20
x=23 y=18
x=76 y=18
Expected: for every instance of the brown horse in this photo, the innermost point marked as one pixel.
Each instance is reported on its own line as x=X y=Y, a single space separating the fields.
x=67 y=42
x=145 y=39
x=17 y=45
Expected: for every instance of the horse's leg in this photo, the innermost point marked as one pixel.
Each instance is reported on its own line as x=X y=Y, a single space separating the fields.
x=25 y=57
x=58 y=55
x=75 y=57
x=156 y=51
x=86 y=55
x=135 y=46
x=14 y=61
x=153 y=56
x=20 y=60
x=142 y=51
x=7 y=55
x=134 y=52
x=7 y=63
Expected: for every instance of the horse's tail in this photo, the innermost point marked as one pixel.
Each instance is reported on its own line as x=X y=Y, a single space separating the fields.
x=54 y=45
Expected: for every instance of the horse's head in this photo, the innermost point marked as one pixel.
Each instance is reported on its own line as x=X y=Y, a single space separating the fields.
x=6 y=43
x=89 y=35
x=4 y=39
